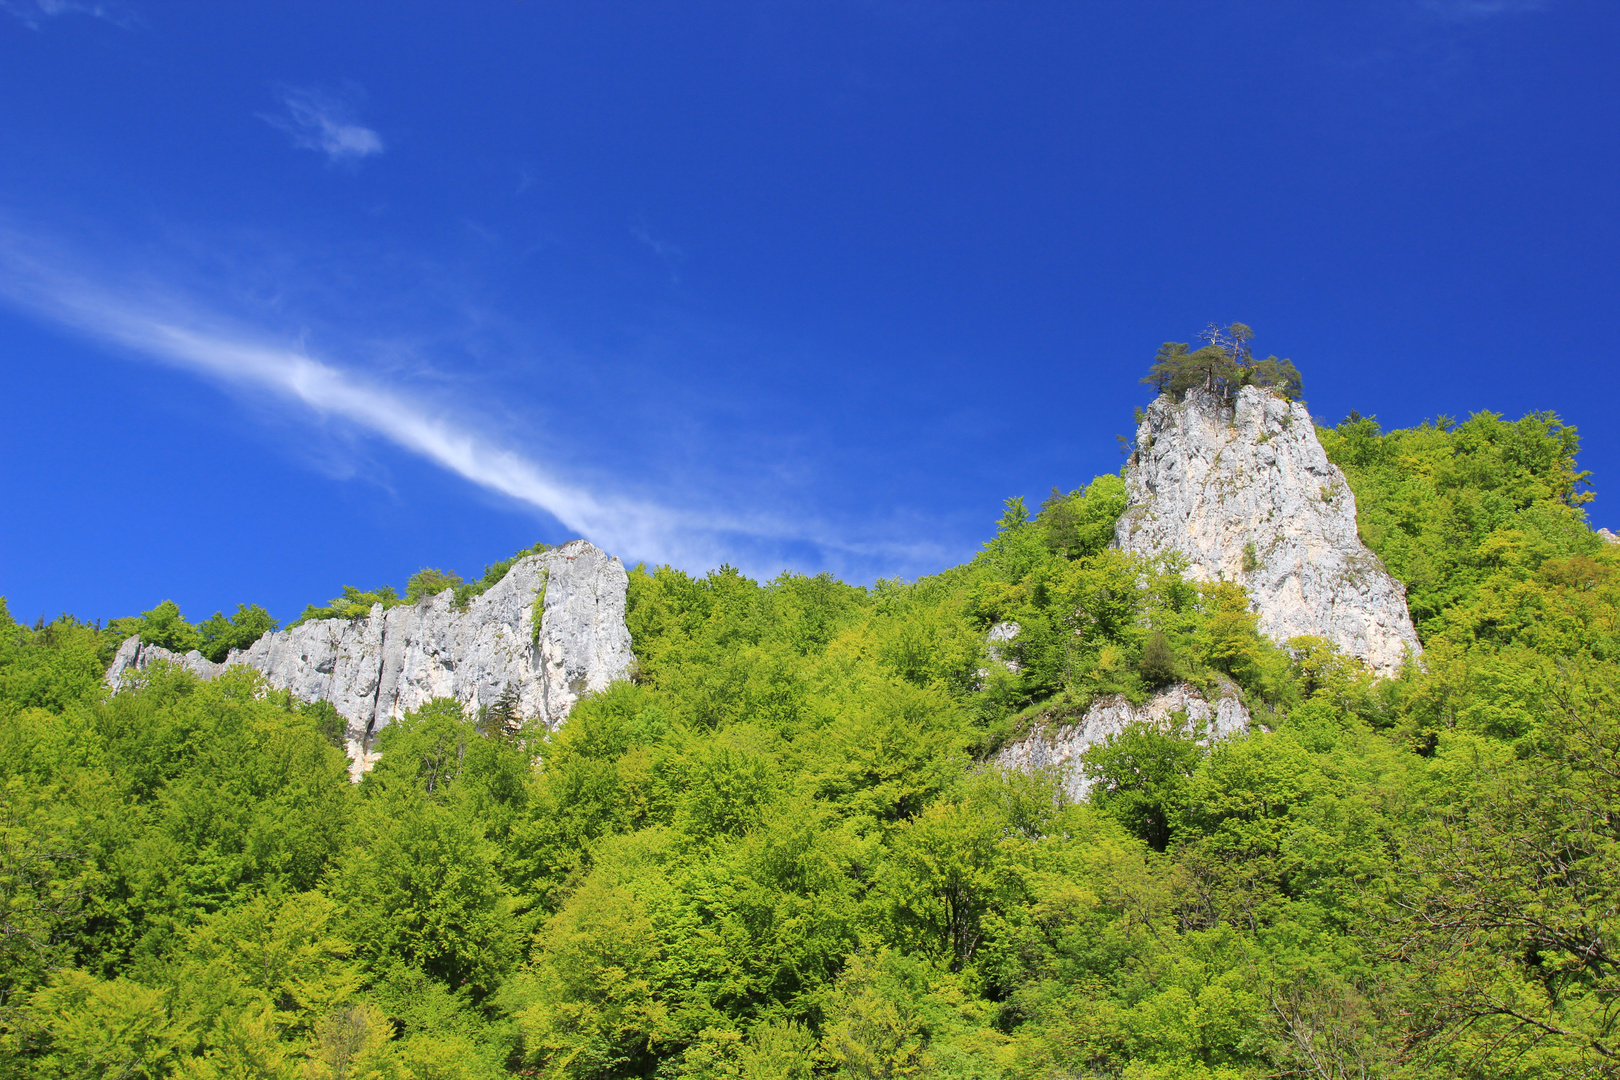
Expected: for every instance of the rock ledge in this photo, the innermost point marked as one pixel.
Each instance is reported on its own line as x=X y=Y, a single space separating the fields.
x=1058 y=746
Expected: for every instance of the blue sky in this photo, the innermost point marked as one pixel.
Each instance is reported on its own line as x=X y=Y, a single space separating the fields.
x=313 y=295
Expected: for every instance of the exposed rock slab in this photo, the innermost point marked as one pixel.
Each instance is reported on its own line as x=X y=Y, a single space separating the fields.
x=377 y=668
x=1216 y=481
x=1058 y=746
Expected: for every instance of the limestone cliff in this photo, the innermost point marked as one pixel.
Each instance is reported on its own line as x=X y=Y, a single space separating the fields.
x=1058 y=746
x=377 y=668
x=1245 y=491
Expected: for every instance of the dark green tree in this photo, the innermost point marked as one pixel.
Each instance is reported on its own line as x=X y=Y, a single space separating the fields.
x=1224 y=363
x=503 y=717
x=1165 y=366
x=1158 y=665
x=1140 y=777
x=1176 y=371
x=1274 y=374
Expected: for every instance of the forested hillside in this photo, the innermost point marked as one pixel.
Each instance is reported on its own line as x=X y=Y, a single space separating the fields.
x=776 y=853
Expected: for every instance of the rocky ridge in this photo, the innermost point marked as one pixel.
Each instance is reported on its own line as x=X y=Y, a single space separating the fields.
x=1245 y=491
x=376 y=668
x=1058 y=746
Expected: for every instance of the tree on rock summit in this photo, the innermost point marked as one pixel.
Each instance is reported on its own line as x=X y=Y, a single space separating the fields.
x=1224 y=364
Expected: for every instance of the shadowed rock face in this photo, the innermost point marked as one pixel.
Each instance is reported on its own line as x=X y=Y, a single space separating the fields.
x=377 y=668
x=1057 y=746
x=1245 y=491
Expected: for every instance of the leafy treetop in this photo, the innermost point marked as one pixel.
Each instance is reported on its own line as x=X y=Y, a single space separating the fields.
x=426 y=582
x=214 y=637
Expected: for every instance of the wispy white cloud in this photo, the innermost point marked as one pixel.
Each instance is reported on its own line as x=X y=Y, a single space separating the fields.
x=669 y=254
x=166 y=326
x=326 y=122
x=1475 y=10
x=662 y=248
x=33 y=13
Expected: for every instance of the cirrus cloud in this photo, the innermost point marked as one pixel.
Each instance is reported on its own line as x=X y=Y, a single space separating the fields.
x=322 y=121
x=169 y=324
x=32 y=13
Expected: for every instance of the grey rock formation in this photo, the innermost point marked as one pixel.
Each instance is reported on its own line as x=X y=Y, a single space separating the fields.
x=996 y=640
x=1248 y=483
x=377 y=668
x=1608 y=537
x=134 y=656
x=1059 y=746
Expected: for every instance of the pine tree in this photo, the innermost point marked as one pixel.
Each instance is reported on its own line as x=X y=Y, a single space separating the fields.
x=503 y=717
x=1221 y=366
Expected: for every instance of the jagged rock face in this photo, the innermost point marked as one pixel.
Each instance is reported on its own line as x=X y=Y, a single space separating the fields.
x=377 y=668
x=1059 y=746
x=1209 y=479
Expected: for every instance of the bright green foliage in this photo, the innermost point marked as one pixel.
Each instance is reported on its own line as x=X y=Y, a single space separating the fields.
x=352 y=604
x=494 y=572
x=1107 y=622
x=220 y=635
x=429 y=582
x=420 y=889
x=46 y=887
x=1140 y=778
x=166 y=627
x=1465 y=513
x=49 y=668
x=1520 y=862
x=894 y=1015
x=1081 y=523
x=420 y=884
x=92 y=1028
x=215 y=637
x=778 y=851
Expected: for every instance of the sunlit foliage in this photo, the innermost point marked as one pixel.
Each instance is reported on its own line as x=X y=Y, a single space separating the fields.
x=778 y=851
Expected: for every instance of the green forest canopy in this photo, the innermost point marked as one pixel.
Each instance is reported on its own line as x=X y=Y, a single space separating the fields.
x=777 y=853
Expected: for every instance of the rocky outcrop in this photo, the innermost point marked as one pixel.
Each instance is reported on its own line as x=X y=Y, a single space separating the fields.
x=1245 y=491
x=996 y=642
x=1058 y=746
x=377 y=668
